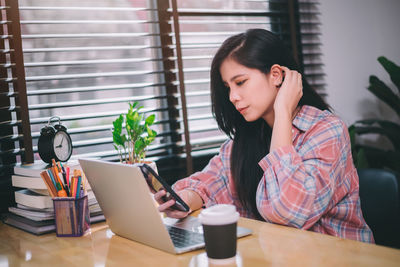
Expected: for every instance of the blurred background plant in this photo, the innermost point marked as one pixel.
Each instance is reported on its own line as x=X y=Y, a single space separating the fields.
x=366 y=156
x=131 y=146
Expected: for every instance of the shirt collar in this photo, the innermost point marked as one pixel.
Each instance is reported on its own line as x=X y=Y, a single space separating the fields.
x=306 y=117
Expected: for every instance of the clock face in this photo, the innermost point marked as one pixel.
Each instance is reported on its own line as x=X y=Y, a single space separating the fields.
x=62 y=146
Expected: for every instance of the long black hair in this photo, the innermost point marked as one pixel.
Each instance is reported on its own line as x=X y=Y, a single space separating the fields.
x=257 y=49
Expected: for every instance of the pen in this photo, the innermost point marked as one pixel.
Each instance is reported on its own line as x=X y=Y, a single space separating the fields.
x=78 y=187
x=58 y=164
x=61 y=192
x=72 y=184
x=75 y=186
x=68 y=178
x=54 y=174
x=57 y=178
x=57 y=174
x=50 y=173
x=64 y=176
x=49 y=184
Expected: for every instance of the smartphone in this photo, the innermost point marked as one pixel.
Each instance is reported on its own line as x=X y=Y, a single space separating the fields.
x=156 y=183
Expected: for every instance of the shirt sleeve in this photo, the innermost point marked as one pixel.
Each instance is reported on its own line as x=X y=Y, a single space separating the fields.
x=298 y=185
x=212 y=182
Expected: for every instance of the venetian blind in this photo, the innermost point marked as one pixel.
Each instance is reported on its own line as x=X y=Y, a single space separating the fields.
x=204 y=25
x=85 y=60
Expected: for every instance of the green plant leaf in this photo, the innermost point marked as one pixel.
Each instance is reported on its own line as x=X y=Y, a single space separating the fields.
x=150 y=132
x=141 y=124
x=387 y=128
x=118 y=124
x=133 y=105
x=364 y=155
x=362 y=162
x=383 y=92
x=124 y=139
x=150 y=119
x=139 y=136
x=118 y=139
x=148 y=140
x=352 y=134
x=139 y=145
x=392 y=69
x=381 y=159
x=136 y=123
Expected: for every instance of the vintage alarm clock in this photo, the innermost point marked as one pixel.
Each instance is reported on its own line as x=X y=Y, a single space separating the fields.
x=54 y=142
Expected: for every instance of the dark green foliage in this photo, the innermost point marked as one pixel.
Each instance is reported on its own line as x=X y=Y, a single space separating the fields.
x=373 y=157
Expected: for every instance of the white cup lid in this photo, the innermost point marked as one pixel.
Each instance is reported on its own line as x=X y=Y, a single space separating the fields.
x=219 y=214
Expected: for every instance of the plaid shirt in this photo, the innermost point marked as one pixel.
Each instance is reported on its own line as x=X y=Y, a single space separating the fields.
x=311 y=184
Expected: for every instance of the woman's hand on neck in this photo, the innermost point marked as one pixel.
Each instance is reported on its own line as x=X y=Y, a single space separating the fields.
x=285 y=109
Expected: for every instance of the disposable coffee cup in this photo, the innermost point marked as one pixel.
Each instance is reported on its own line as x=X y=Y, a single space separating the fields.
x=219 y=228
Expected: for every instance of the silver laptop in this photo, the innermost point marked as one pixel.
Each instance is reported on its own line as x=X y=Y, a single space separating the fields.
x=131 y=212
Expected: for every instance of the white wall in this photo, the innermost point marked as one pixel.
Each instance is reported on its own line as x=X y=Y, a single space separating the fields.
x=354 y=34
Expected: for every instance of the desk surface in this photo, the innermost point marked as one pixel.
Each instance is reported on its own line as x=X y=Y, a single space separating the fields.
x=268 y=245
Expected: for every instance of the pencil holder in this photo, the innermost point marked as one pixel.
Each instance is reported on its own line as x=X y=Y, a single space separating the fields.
x=72 y=215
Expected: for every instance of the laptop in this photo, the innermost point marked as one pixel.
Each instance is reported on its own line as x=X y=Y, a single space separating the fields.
x=131 y=212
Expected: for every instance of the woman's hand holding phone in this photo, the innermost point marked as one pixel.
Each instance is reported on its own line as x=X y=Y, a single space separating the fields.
x=166 y=206
x=191 y=198
x=156 y=184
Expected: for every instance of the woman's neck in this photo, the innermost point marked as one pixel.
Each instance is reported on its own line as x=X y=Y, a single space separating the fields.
x=270 y=117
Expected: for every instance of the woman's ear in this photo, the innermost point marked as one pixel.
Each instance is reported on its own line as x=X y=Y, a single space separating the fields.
x=276 y=75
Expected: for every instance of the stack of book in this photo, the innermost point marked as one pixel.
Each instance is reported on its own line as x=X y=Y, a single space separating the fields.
x=34 y=210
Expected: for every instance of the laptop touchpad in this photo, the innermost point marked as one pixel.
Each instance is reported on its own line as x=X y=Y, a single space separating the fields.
x=189 y=223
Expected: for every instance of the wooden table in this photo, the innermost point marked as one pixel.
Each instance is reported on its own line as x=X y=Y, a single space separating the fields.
x=268 y=245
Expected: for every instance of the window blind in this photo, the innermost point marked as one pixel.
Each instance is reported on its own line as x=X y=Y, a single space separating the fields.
x=85 y=60
x=204 y=25
x=309 y=35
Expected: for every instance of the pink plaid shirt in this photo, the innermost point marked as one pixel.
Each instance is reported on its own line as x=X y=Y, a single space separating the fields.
x=310 y=185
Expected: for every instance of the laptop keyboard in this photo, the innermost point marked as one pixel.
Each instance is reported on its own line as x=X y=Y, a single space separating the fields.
x=184 y=238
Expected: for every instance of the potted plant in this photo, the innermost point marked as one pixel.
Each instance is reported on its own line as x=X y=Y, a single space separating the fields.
x=373 y=157
x=131 y=144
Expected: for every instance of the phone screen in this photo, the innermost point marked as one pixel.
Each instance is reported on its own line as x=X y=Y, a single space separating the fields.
x=156 y=183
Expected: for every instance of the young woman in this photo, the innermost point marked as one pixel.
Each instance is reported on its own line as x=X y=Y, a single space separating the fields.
x=288 y=160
